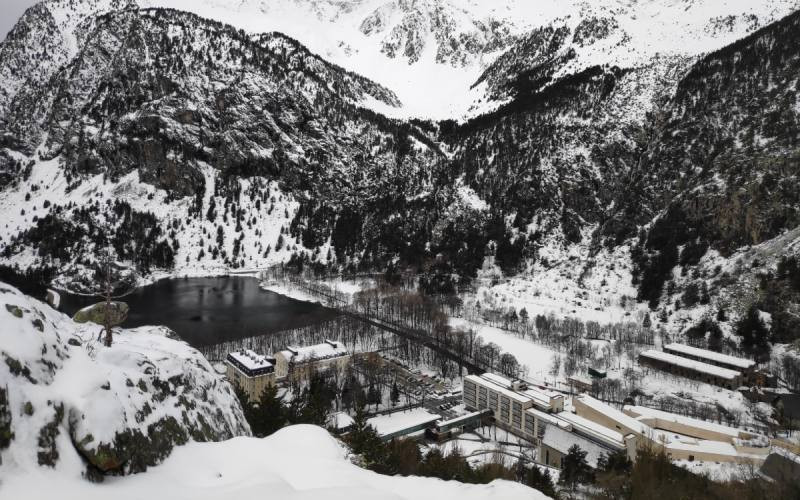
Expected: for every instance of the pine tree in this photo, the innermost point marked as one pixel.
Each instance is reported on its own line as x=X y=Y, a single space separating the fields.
x=575 y=470
x=754 y=334
x=373 y=396
x=270 y=416
x=541 y=481
x=363 y=438
x=395 y=395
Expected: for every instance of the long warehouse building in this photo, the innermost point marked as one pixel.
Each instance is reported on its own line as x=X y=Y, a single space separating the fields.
x=689 y=368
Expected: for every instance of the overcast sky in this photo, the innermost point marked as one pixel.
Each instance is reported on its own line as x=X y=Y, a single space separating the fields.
x=10 y=12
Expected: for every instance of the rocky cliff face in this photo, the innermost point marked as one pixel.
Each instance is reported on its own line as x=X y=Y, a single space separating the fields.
x=66 y=400
x=408 y=28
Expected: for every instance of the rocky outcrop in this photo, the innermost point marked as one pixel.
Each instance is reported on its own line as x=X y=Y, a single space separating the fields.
x=117 y=313
x=122 y=408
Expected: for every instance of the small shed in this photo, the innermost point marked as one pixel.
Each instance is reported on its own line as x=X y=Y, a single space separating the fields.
x=581 y=383
x=597 y=373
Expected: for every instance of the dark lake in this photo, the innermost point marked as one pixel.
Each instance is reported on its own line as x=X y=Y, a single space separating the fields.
x=207 y=311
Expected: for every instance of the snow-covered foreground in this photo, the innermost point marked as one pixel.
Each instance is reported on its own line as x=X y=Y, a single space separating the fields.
x=299 y=462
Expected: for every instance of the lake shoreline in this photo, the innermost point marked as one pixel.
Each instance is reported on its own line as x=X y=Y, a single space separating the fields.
x=205 y=311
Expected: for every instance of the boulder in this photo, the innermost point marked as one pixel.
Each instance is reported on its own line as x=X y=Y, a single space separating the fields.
x=97 y=313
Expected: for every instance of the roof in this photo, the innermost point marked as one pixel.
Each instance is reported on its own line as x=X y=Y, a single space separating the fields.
x=593 y=429
x=250 y=361
x=328 y=349
x=614 y=414
x=341 y=420
x=645 y=412
x=711 y=356
x=497 y=379
x=561 y=440
x=690 y=444
x=690 y=364
x=542 y=397
x=495 y=383
x=454 y=422
x=546 y=417
x=395 y=423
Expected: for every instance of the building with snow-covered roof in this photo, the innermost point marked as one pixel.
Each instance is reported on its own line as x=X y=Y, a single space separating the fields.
x=300 y=362
x=497 y=394
x=403 y=423
x=690 y=368
x=545 y=400
x=536 y=422
x=680 y=438
x=509 y=401
x=580 y=383
x=250 y=371
x=686 y=426
x=746 y=366
x=557 y=441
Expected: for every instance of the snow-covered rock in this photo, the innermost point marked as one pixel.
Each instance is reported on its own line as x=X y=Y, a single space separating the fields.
x=66 y=400
x=299 y=462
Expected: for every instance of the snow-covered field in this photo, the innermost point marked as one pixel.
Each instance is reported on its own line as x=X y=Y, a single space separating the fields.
x=536 y=357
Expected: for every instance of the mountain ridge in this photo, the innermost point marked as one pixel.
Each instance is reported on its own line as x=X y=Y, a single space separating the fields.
x=228 y=150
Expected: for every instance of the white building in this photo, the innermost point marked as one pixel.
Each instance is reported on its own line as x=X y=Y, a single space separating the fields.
x=299 y=362
x=510 y=401
x=250 y=371
x=691 y=368
x=747 y=367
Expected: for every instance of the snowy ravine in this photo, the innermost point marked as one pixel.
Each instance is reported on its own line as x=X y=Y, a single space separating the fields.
x=299 y=462
x=70 y=404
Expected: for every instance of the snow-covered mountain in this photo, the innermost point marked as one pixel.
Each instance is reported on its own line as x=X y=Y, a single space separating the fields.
x=432 y=52
x=209 y=146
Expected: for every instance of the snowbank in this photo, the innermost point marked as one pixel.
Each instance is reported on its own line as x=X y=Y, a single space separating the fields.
x=289 y=291
x=299 y=462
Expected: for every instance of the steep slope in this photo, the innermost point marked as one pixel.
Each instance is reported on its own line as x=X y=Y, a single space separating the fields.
x=724 y=156
x=68 y=403
x=210 y=117
x=430 y=52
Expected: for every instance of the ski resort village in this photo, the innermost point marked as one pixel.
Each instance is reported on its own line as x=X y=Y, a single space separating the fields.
x=557 y=424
